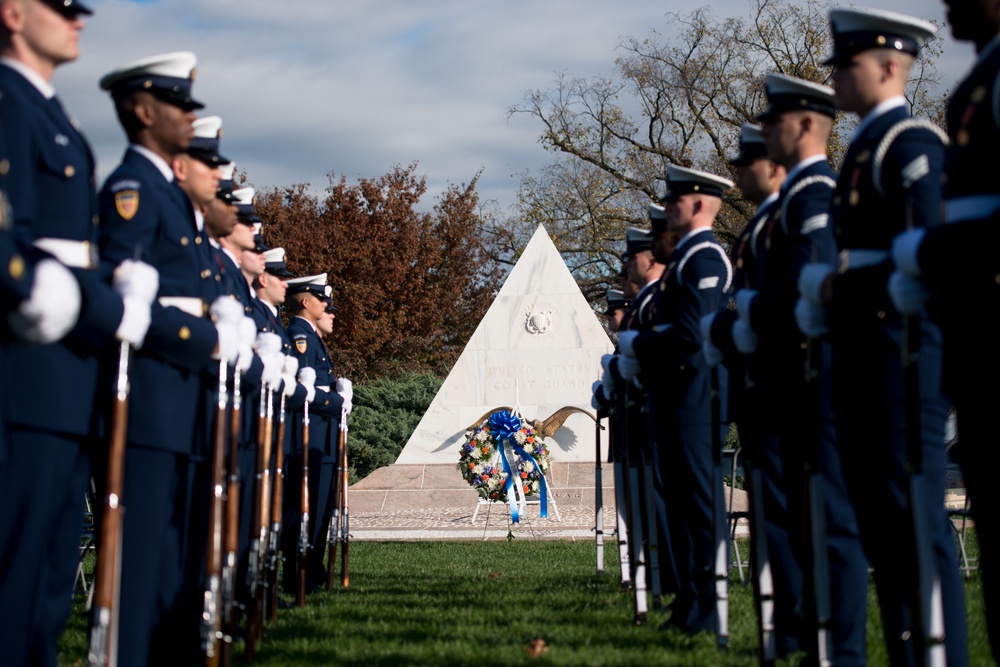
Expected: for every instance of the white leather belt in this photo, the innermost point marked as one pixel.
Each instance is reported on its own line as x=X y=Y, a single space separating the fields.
x=75 y=254
x=323 y=387
x=858 y=259
x=189 y=304
x=973 y=207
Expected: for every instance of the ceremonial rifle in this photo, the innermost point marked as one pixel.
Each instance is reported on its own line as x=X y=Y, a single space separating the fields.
x=273 y=552
x=263 y=581
x=232 y=526
x=345 y=577
x=303 y=546
x=721 y=561
x=333 y=528
x=620 y=468
x=253 y=569
x=211 y=619
x=814 y=510
x=598 y=499
x=929 y=603
x=103 y=649
x=760 y=557
x=649 y=496
x=636 y=497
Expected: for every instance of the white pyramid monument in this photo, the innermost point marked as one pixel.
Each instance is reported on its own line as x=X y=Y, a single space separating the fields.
x=540 y=343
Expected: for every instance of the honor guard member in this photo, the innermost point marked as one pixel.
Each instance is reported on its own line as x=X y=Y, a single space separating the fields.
x=50 y=202
x=645 y=268
x=144 y=211
x=272 y=289
x=614 y=312
x=307 y=303
x=795 y=397
x=956 y=264
x=617 y=304
x=890 y=182
x=696 y=282
x=759 y=179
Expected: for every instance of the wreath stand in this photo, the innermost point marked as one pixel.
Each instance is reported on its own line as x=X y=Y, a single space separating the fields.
x=489 y=503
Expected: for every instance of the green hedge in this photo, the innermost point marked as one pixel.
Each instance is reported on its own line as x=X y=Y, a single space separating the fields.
x=385 y=414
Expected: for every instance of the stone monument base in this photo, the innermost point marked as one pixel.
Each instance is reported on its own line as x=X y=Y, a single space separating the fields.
x=434 y=502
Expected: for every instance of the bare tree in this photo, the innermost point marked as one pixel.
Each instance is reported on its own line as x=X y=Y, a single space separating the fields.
x=676 y=97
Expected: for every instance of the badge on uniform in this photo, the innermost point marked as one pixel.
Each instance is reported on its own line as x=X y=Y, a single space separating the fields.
x=300 y=345
x=127 y=203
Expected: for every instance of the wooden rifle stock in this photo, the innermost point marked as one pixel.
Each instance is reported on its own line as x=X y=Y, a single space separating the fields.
x=232 y=525
x=103 y=649
x=255 y=613
x=276 y=508
x=334 y=534
x=211 y=619
x=263 y=581
x=303 y=547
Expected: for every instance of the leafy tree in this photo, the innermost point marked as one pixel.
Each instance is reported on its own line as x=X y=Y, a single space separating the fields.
x=676 y=97
x=410 y=285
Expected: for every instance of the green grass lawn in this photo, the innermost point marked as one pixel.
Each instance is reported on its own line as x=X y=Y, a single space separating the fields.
x=468 y=603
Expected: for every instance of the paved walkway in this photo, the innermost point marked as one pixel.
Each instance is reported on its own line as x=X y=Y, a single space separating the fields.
x=434 y=502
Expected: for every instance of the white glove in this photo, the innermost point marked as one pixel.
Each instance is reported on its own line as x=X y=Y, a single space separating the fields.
x=136 y=318
x=268 y=348
x=290 y=366
x=246 y=330
x=307 y=378
x=597 y=390
x=348 y=405
x=53 y=307
x=810 y=317
x=626 y=342
x=744 y=338
x=713 y=355
x=908 y=294
x=811 y=280
x=229 y=341
x=744 y=299
x=226 y=309
x=345 y=388
x=904 y=251
x=607 y=378
x=137 y=280
x=628 y=367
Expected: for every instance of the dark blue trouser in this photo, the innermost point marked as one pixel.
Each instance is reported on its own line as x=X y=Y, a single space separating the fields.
x=43 y=480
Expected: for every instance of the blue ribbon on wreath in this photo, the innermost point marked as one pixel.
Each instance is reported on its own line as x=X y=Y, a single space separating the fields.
x=504 y=426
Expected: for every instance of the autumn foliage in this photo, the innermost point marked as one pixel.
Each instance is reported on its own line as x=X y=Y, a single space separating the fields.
x=410 y=285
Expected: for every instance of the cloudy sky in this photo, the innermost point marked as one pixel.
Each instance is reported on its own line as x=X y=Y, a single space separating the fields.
x=306 y=87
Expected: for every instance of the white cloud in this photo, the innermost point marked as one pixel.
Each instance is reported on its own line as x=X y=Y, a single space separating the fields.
x=305 y=87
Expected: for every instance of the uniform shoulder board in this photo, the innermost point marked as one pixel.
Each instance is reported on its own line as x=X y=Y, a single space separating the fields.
x=799 y=187
x=915 y=169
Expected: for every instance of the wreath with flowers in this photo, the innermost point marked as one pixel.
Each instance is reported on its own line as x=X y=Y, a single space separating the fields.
x=504 y=436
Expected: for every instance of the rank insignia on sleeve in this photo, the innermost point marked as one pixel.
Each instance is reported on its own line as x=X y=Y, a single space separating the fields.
x=127 y=203
x=300 y=345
